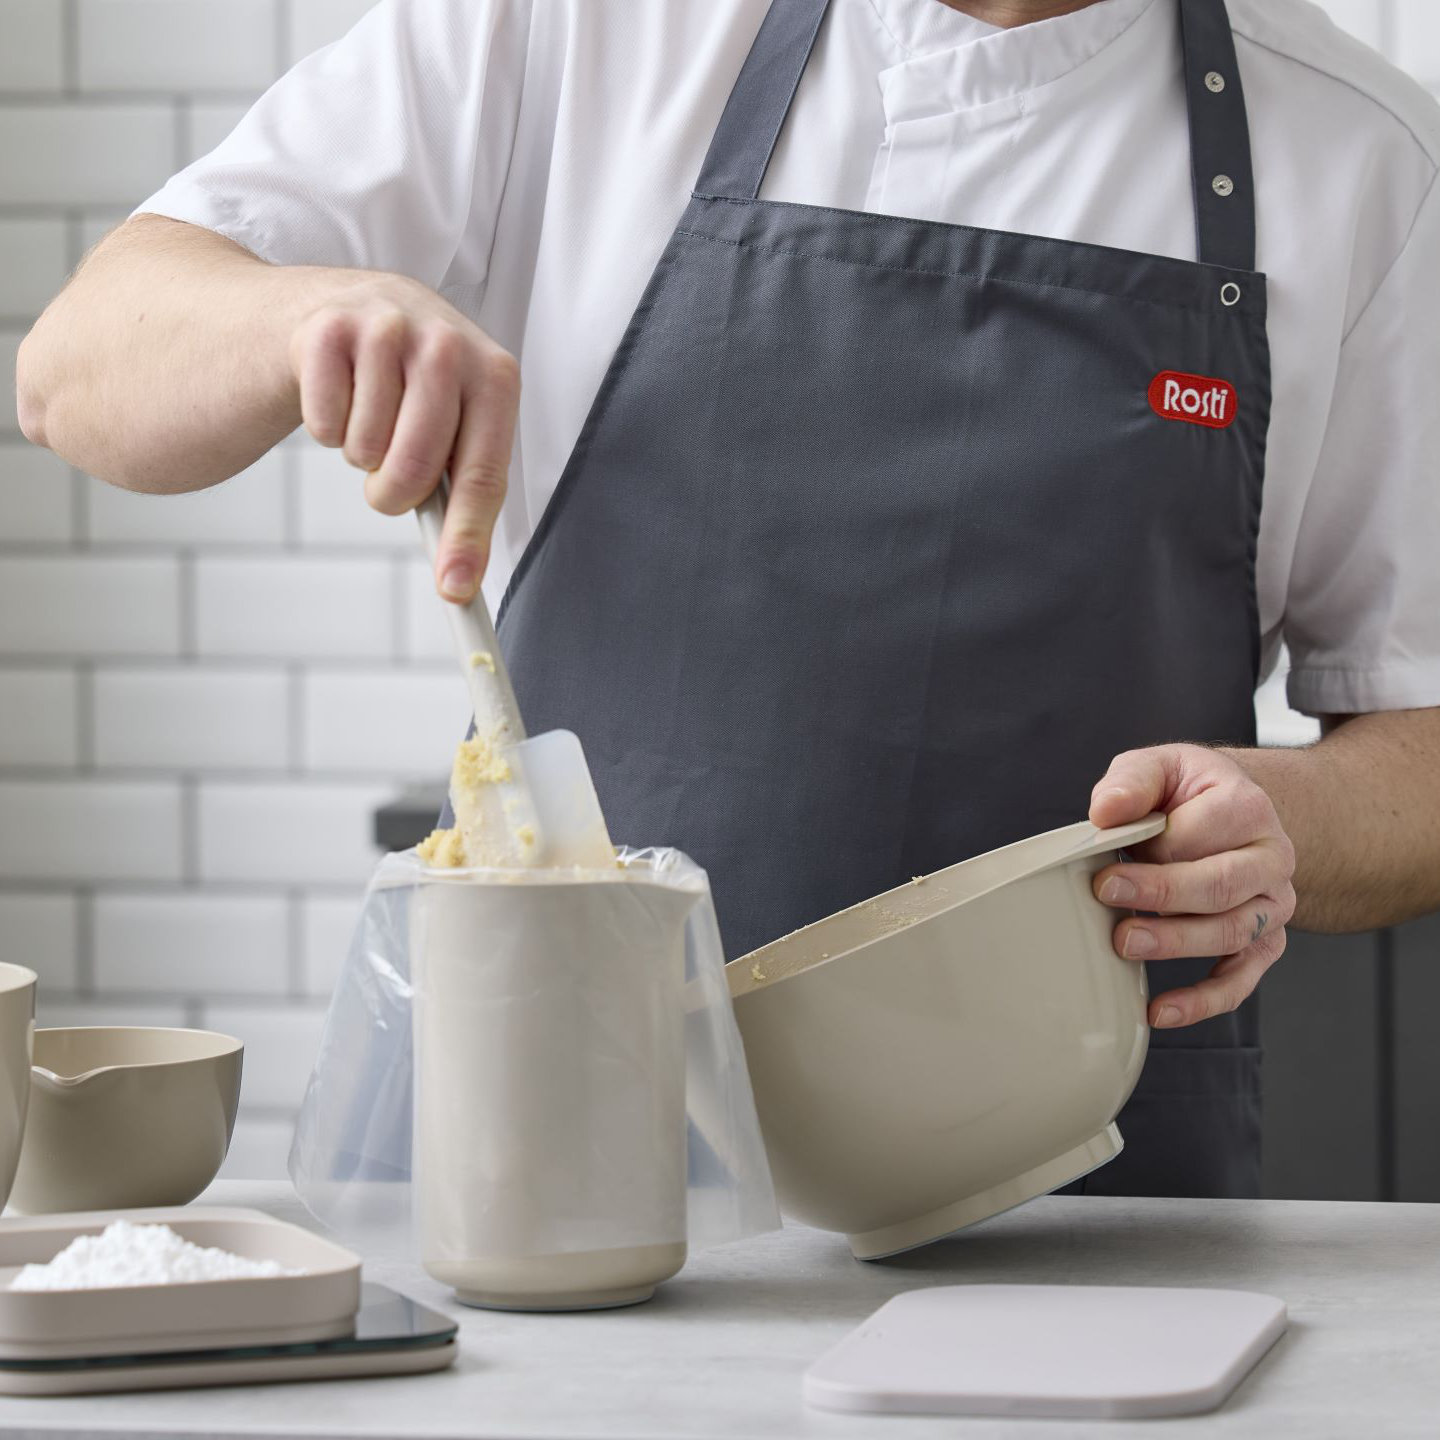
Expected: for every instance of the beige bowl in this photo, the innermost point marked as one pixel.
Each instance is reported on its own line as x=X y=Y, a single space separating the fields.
x=123 y=1118
x=949 y=1049
x=17 y=1031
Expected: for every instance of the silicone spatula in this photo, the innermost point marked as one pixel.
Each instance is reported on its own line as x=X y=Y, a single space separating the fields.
x=547 y=812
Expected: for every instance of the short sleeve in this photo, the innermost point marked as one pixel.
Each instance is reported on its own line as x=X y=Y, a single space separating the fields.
x=386 y=150
x=1362 y=619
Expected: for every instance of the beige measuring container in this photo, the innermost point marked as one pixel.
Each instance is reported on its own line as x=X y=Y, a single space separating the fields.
x=550 y=1121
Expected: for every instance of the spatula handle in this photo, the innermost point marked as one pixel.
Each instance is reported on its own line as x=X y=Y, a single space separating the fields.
x=491 y=694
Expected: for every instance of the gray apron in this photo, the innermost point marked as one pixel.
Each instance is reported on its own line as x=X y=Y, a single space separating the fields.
x=883 y=536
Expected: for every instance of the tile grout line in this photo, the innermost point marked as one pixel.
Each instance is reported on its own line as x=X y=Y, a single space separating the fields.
x=243 y=889
x=187 y=605
x=74 y=238
x=290 y=471
x=329 y=553
x=70 y=43
x=282 y=31
x=184 y=131
x=85 y=717
x=295 y=937
x=399 y=610
x=295 y=676
x=79 y=509
x=122 y=97
x=189 y=831
x=169 y=660
x=85 y=942
x=1389 y=31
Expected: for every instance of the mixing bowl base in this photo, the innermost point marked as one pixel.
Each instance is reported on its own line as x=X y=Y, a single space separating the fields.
x=910 y=1234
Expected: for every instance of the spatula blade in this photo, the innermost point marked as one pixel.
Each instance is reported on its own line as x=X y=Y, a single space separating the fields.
x=569 y=824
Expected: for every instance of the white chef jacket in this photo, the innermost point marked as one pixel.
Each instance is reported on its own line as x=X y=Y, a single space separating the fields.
x=530 y=158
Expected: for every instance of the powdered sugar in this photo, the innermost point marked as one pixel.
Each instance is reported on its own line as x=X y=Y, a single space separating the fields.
x=128 y=1254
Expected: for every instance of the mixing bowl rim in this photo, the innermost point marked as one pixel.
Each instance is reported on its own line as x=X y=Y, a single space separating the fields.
x=231 y=1046
x=769 y=966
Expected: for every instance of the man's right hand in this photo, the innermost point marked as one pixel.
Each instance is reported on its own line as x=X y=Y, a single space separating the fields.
x=409 y=389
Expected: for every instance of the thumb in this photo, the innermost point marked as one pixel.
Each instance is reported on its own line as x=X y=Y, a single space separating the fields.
x=1137 y=782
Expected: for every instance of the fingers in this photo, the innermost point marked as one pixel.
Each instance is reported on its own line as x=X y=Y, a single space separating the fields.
x=1228 y=985
x=1136 y=783
x=424 y=430
x=1199 y=935
x=479 y=466
x=408 y=386
x=1207 y=886
x=379 y=384
x=1217 y=882
x=322 y=362
x=1230 y=814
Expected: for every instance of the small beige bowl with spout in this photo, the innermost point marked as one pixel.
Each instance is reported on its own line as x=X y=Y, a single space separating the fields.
x=126 y=1117
x=949 y=1049
x=17 y=1032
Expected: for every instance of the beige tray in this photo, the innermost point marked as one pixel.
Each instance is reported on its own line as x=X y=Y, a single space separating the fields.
x=198 y=1374
x=319 y=1304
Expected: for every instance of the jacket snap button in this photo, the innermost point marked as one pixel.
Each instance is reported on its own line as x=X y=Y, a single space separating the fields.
x=1214 y=82
x=1222 y=185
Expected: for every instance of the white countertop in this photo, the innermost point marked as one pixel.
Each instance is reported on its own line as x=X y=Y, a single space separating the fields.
x=721 y=1349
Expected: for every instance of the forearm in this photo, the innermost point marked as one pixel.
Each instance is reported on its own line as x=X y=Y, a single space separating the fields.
x=164 y=364
x=1362 y=807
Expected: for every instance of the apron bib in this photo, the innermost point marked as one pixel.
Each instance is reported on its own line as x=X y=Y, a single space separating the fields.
x=883 y=536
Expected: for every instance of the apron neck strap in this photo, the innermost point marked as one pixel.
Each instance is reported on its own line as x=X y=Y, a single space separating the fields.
x=744 y=140
x=1219 y=137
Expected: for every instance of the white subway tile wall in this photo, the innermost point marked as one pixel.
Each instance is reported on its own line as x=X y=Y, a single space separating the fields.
x=91 y=829
x=164 y=944
x=210 y=122
x=208 y=44
x=42 y=718
x=327 y=924
x=377 y=722
x=85 y=603
x=246 y=510
x=284 y=832
x=296 y=606
x=63 y=151
x=33 y=57
x=9 y=343
x=42 y=931
x=203 y=698
x=191 y=717
x=1417 y=39
x=36 y=500
x=32 y=252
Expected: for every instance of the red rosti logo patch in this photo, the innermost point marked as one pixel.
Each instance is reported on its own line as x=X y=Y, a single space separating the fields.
x=1197 y=399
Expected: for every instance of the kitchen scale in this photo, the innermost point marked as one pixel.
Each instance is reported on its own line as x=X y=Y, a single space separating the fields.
x=393 y=1336
x=1049 y=1351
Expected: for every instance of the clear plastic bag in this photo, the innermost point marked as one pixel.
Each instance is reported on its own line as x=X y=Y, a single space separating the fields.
x=532 y=1062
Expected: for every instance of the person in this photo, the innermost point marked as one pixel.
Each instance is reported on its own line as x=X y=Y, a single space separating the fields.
x=936 y=414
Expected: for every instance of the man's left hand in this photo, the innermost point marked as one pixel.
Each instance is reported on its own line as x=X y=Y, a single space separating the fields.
x=1217 y=882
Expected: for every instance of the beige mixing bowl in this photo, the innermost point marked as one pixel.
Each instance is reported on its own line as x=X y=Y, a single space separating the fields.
x=949 y=1049
x=17 y=1029
x=122 y=1118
